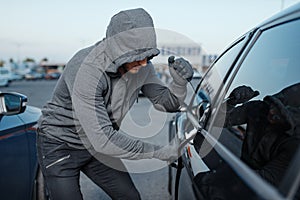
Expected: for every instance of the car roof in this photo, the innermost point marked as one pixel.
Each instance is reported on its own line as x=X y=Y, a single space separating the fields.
x=284 y=15
x=289 y=13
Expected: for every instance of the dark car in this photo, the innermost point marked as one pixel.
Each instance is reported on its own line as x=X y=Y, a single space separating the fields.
x=52 y=75
x=19 y=172
x=221 y=159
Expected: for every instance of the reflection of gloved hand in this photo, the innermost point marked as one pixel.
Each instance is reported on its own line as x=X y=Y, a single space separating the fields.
x=181 y=70
x=167 y=153
x=241 y=94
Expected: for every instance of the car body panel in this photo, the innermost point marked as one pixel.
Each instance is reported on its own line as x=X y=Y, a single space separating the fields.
x=224 y=175
x=18 y=166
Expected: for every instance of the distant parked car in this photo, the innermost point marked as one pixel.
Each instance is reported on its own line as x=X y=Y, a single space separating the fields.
x=33 y=76
x=254 y=153
x=19 y=171
x=197 y=74
x=4 y=77
x=16 y=76
x=52 y=75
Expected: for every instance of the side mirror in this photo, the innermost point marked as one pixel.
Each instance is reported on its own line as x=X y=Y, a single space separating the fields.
x=12 y=103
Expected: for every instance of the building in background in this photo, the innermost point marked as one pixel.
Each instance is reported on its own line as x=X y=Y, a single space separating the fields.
x=175 y=44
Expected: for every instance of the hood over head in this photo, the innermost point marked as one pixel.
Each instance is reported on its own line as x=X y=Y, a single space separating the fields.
x=130 y=36
x=287 y=102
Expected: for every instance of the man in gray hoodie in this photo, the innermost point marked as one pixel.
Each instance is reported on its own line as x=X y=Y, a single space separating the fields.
x=79 y=126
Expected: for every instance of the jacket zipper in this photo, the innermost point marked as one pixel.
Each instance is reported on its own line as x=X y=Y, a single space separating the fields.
x=125 y=98
x=57 y=161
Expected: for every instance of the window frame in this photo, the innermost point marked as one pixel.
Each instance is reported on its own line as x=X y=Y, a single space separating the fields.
x=291 y=181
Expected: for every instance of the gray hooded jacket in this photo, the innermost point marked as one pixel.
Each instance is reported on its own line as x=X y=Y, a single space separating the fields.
x=91 y=97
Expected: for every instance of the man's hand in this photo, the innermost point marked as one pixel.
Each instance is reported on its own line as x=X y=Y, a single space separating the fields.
x=181 y=70
x=167 y=153
x=241 y=94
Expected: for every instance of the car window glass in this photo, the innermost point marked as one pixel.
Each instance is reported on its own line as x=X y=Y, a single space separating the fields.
x=214 y=77
x=261 y=131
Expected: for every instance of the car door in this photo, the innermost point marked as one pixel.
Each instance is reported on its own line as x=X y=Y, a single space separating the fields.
x=18 y=160
x=208 y=88
x=270 y=67
x=269 y=64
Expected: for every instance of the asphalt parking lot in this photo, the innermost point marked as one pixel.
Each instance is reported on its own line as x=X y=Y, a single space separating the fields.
x=149 y=176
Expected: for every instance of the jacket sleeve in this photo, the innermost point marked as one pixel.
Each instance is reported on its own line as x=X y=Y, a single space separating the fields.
x=90 y=111
x=244 y=113
x=231 y=116
x=158 y=93
x=236 y=116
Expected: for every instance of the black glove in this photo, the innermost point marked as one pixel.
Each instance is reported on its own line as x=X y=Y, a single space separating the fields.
x=181 y=70
x=241 y=94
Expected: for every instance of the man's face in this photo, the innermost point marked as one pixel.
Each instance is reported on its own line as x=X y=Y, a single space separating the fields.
x=135 y=66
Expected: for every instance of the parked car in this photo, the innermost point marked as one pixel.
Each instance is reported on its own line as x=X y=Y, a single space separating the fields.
x=16 y=77
x=19 y=171
x=197 y=74
x=33 y=76
x=52 y=75
x=4 y=77
x=211 y=166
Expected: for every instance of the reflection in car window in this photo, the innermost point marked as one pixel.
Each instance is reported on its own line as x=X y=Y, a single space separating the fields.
x=216 y=74
x=12 y=102
x=273 y=63
x=267 y=137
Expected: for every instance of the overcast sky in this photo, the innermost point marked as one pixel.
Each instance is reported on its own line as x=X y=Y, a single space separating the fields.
x=56 y=29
